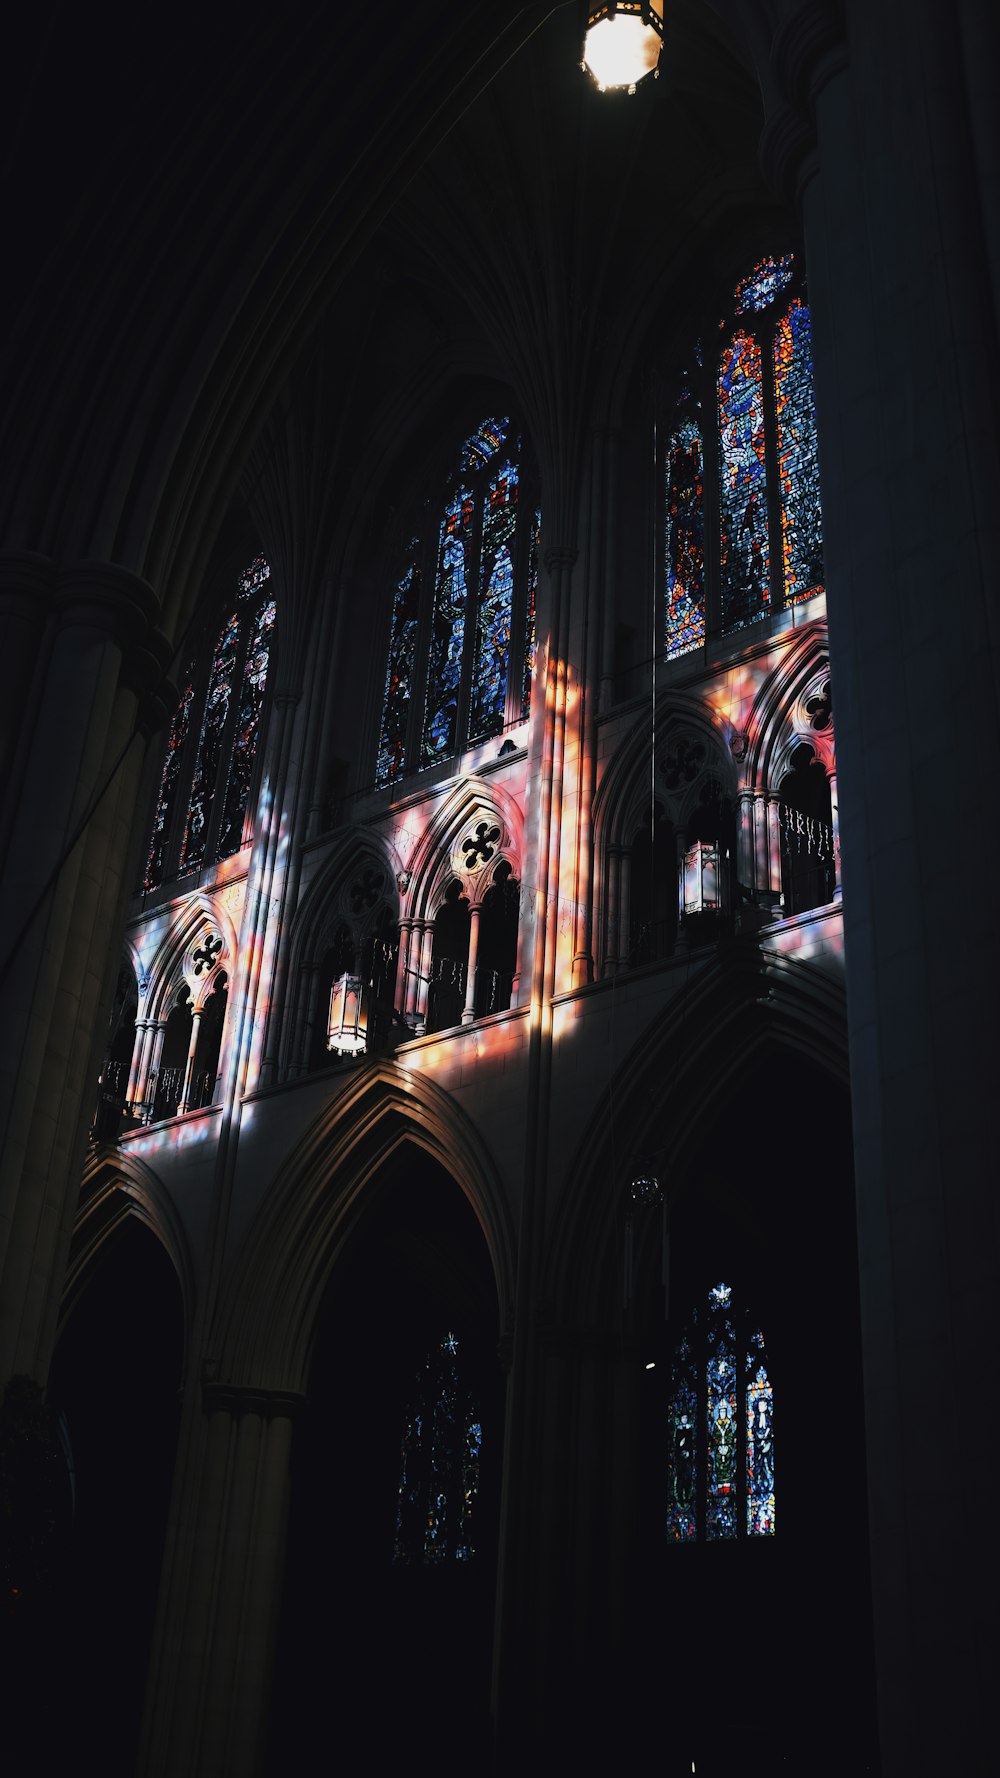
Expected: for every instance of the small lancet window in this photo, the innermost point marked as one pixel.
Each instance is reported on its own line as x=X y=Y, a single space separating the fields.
x=439 y=1463
x=720 y=1427
x=207 y=777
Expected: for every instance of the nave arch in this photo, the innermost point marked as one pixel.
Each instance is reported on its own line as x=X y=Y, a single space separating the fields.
x=268 y=1315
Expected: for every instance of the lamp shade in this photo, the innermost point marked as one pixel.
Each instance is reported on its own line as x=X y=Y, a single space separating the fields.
x=347 y=1033
x=623 y=42
x=702 y=879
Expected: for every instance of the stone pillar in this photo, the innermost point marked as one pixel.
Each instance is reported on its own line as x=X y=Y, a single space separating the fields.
x=68 y=824
x=183 y=1104
x=903 y=253
x=469 y=1009
x=209 y=1676
x=137 y=1074
x=612 y=946
x=423 y=981
x=152 y=1074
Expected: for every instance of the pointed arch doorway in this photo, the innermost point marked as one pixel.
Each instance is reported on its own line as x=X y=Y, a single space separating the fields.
x=385 y=1637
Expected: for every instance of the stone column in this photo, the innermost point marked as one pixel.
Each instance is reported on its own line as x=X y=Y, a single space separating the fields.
x=423 y=983
x=183 y=1104
x=68 y=824
x=140 y=1052
x=209 y=1676
x=469 y=1009
x=612 y=945
x=902 y=238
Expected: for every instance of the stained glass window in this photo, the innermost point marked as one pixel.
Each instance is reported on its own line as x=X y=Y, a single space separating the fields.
x=685 y=541
x=399 y=672
x=208 y=758
x=462 y=637
x=211 y=760
x=721 y=1386
x=245 y=739
x=496 y=603
x=743 y=477
x=169 y=782
x=528 y=672
x=439 y=1463
x=798 y=459
x=444 y=667
x=759 y=288
x=759 y=472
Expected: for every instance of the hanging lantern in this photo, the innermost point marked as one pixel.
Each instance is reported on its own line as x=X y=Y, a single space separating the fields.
x=702 y=882
x=347 y=1026
x=623 y=42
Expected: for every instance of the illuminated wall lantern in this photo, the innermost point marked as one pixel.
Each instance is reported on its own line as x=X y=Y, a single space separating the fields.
x=701 y=879
x=623 y=42
x=347 y=1029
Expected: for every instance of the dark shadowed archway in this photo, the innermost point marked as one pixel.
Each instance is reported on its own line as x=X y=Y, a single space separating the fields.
x=384 y=1634
x=114 y=1385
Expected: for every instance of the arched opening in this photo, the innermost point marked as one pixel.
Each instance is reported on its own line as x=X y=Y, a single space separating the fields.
x=113 y=1095
x=808 y=873
x=114 y=1385
x=763 y=1206
x=653 y=890
x=449 y=961
x=377 y=1636
x=496 y=960
x=205 y=1071
x=173 y=1056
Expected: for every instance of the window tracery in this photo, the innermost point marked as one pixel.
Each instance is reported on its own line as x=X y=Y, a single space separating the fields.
x=462 y=632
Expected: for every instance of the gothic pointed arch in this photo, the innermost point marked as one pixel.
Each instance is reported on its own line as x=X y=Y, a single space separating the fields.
x=473 y=827
x=273 y=1294
x=200 y=940
x=115 y=1188
x=661 y=1091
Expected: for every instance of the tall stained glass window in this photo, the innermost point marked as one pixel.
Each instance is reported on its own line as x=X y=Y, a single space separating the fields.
x=685 y=539
x=743 y=450
x=207 y=776
x=439 y=1463
x=462 y=634
x=720 y=1427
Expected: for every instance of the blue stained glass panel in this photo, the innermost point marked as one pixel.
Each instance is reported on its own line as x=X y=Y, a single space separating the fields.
x=484 y=444
x=209 y=744
x=444 y=666
x=759 y=288
x=685 y=618
x=798 y=457
x=760 y=1450
x=743 y=491
x=247 y=728
x=399 y=674
x=496 y=597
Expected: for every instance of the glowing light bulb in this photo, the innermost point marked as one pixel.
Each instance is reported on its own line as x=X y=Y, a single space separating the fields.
x=620 y=49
